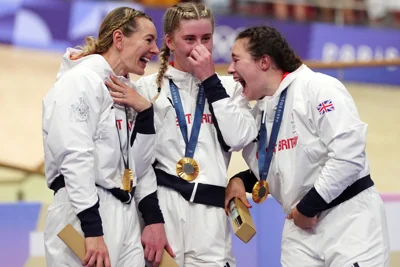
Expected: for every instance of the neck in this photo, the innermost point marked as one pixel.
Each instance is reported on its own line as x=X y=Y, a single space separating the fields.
x=179 y=66
x=113 y=59
x=273 y=81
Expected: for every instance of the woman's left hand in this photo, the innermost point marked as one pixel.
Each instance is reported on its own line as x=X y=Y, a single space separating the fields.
x=125 y=95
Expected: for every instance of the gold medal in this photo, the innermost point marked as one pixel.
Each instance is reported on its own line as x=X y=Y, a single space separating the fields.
x=260 y=191
x=127 y=180
x=187 y=169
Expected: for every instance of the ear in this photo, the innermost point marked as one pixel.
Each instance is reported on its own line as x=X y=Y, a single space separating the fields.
x=118 y=39
x=264 y=62
x=169 y=42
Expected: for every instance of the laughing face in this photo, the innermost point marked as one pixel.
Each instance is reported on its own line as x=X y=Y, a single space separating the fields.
x=247 y=71
x=190 y=34
x=140 y=47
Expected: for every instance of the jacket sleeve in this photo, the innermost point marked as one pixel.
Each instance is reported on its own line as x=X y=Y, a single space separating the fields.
x=231 y=114
x=338 y=125
x=143 y=141
x=248 y=178
x=72 y=123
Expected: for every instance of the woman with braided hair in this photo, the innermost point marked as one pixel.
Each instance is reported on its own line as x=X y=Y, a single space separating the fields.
x=200 y=118
x=310 y=155
x=98 y=154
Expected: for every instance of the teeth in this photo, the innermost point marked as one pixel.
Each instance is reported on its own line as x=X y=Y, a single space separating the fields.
x=145 y=59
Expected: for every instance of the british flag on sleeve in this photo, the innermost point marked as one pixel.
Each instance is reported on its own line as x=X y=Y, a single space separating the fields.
x=325 y=106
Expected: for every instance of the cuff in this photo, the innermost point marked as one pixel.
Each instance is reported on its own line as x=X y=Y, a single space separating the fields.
x=91 y=223
x=311 y=204
x=150 y=209
x=248 y=178
x=144 y=123
x=214 y=89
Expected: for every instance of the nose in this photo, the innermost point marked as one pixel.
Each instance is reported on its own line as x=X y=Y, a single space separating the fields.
x=231 y=69
x=154 y=50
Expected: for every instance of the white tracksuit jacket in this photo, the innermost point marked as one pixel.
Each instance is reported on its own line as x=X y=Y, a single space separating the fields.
x=314 y=148
x=234 y=119
x=227 y=126
x=319 y=156
x=80 y=134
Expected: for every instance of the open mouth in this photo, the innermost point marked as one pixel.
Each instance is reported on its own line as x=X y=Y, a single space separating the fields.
x=241 y=81
x=144 y=59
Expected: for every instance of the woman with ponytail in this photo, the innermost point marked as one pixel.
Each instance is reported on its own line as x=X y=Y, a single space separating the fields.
x=98 y=154
x=200 y=118
x=310 y=156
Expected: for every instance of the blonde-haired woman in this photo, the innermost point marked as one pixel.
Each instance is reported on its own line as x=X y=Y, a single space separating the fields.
x=200 y=119
x=97 y=154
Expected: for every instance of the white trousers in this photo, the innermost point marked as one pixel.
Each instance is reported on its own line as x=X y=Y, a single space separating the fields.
x=198 y=234
x=120 y=226
x=352 y=234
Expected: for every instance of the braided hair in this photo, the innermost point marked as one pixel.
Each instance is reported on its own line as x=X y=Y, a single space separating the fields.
x=172 y=18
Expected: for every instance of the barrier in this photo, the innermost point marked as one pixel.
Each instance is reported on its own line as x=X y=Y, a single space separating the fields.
x=51 y=25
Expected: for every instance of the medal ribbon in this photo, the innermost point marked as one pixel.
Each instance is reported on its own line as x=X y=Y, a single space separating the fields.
x=126 y=164
x=198 y=116
x=265 y=157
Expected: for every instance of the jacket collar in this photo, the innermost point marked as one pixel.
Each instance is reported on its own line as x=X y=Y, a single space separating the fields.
x=183 y=80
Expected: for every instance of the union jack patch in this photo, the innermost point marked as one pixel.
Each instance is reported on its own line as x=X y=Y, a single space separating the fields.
x=325 y=107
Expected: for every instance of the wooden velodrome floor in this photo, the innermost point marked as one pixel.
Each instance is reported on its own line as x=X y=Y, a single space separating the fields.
x=26 y=76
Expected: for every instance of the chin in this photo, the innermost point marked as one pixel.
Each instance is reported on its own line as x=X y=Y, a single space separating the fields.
x=249 y=97
x=139 y=72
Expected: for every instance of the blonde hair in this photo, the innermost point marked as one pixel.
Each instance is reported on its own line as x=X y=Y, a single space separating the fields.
x=172 y=19
x=122 y=18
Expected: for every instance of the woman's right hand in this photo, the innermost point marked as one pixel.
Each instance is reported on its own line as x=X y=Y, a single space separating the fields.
x=123 y=94
x=236 y=189
x=96 y=252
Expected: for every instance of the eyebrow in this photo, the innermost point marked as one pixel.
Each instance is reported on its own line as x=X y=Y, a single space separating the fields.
x=193 y=35
x=234 y=55
x=150 y=35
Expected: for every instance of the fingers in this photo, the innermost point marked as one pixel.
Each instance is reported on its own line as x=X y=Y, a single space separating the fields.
x=169 y=250
x=195 y=54
x=158 y=257
x=99 y=261
x=119 y=98
x=117 y=81
x=92 y=260
x=146 y=252
x=245 y=201
x=228 y=198
x=107 y=262
x=229 y=195
x=112 y=86
x=87 y=258
x=117 y=94
x=116 y=85
x=191 y=61
x=151 y=255
x=121 y=101
x=201 y=50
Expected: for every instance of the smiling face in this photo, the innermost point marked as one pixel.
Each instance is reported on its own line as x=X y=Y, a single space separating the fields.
x=139 y=48
x=189 y=34
x=249 y=72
